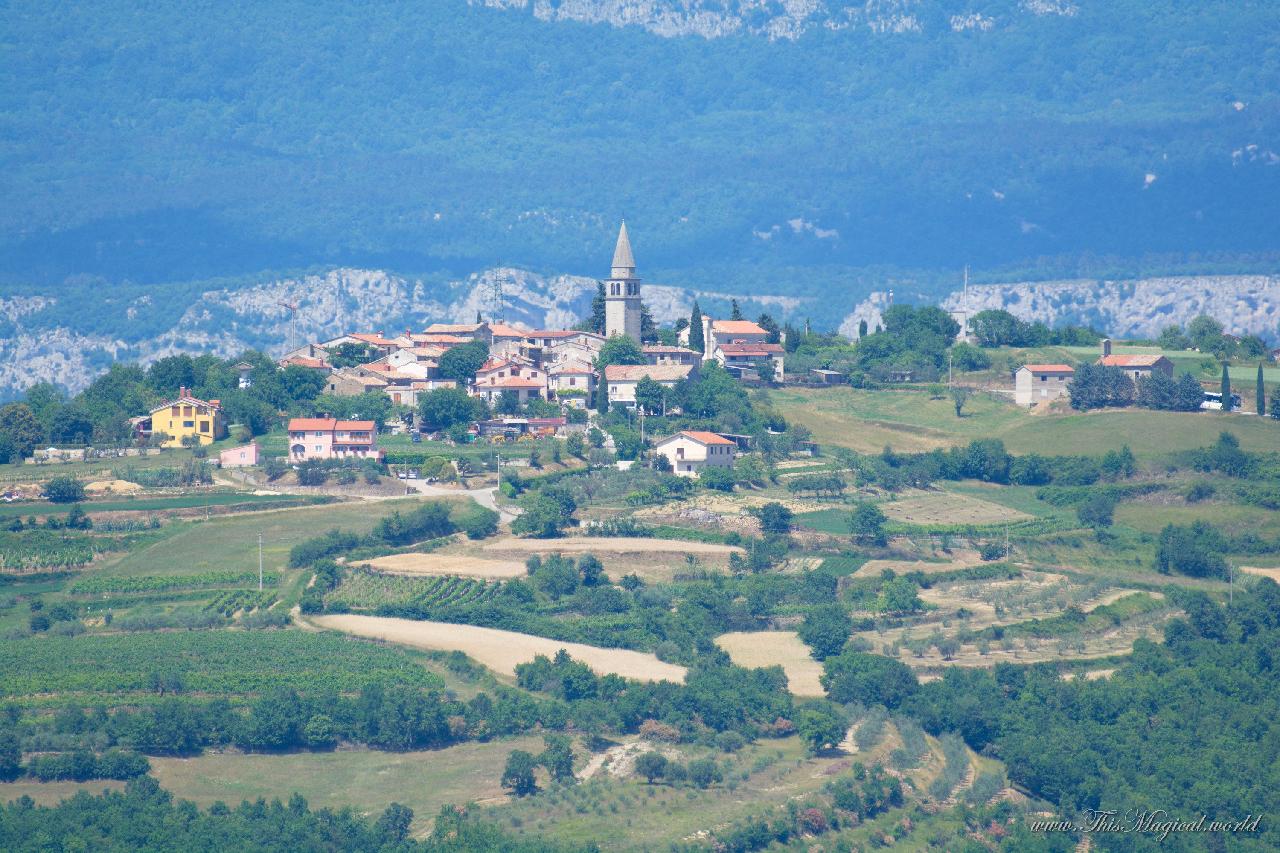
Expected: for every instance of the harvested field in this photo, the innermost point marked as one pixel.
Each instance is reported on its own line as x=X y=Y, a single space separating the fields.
x=118 y=487
x=500 y=650
x=920 y=507
x=961 y=559
x=776 y=648
x=1274 y=574
x=447 y=564
x=610 y=545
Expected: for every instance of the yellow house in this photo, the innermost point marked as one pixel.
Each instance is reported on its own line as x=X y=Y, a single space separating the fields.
x=189 y=418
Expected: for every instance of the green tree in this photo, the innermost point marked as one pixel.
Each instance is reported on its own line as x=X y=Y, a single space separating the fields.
x=735 y=310
x=20 y=426
x=557 y=757
x=697 y=342
x=517 y=776
x=10 y=756
x=461 y=362
x=443 y=407
x=825 y=629
x=959 y=396
x=619 y=349
x=1274 y=408
x=705 y=772
x=651 y=765
x=716 y=477
x=820 y=726
x=862 y=329
x=596 y=321
x=866 y=524
x=1226 y=388
x=542 y=518
x=867 y=678
x=899 y=595
x=1097 y=510
x=350 y=354
x=64 y=490
x=1261 y=393
x=651 y=396
x=775 y=518
x=1205 y=334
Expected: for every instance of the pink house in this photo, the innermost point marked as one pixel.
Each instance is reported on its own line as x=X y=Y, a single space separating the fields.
x=236 y=457
x=329 y=438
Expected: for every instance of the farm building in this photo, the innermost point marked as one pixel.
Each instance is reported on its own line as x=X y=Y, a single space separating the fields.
x=1037 y=383
x=1136 y=366
x=690 y=451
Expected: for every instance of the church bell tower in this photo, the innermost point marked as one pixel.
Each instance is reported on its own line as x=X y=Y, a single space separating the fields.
x=622 y=292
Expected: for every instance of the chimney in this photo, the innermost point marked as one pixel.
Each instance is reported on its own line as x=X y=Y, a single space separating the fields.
x=1106 y=347
x=182 y=391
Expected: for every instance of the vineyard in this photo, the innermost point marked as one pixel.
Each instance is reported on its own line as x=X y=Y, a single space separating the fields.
x=96 y=584
x=366 y=590
x=229 y=603
x=233 y=663
x=48 y=549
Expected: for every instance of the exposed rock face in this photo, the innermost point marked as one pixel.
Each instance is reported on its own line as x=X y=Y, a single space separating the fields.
x=1244 y=304
x=280 y=315
x=773 y=19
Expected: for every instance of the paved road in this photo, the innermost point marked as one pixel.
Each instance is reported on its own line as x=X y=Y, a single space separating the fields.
x=485 y=497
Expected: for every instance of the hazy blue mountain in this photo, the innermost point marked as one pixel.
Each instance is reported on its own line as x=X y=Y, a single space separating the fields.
x=801 y=148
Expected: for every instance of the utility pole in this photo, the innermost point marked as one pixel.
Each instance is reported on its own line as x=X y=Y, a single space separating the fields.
x=1006 y=542
x=497 y=466
x=259 y=562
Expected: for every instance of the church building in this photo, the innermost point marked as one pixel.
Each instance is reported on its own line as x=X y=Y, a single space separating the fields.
x=622 y=292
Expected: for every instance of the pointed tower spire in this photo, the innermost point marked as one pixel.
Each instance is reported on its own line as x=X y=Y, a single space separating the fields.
x=624 y=264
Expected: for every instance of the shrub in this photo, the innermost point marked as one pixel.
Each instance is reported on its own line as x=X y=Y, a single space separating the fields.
x=479 y=522
x=64 y=490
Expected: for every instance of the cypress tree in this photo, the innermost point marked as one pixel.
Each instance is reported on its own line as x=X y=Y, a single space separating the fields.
x=696 y=341
x=735 y=312
x=1226 y=388
x=1262 y=393
x=862 y=329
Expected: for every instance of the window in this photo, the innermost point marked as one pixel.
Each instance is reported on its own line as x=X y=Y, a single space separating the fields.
x=573 y=381
x=1044 y=378
x=317 y=448
x=204 y=426
x=188 y=424
x=175 y=411
x=186 y=411
x=679 y=452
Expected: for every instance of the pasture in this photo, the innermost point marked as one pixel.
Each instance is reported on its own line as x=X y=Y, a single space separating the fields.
x=776 y=648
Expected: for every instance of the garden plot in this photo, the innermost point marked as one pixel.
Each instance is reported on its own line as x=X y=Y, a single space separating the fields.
x=500 y=650
x=935 y=508
x=611 y=545
x=960 y=559
x=446 y=564
x=776 y=648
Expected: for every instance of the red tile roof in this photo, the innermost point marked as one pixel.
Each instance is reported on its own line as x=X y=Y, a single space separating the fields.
x=703 y=437
x=184 y=396
x=513 y=382
x=311 y=424
x=303 y=361
x=751 y=349
x=1050 y=368
x=663 y=349
x=1130 y=360
x=656 y=372
x=737 y=327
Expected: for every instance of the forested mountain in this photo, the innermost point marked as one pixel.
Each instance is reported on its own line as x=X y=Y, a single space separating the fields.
x=799 y=149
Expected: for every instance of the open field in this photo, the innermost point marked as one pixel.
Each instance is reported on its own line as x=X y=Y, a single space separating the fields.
x=1272 y=573
x=232 y=542
x=776 y=648
x=1232 y=518
x=158 y=503
x=447 y=564
x=909 y=421
x=365 y=779
x=500 y=650
x=943 y=507
x=961 y=559
x=611 y=545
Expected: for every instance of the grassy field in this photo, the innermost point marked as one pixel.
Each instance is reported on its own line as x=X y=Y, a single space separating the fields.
x=776 y=648
x=94 y=469
x=367 y=780
x=232 y=542
x=909 y=421
x=239 y=500
x=1232 y=518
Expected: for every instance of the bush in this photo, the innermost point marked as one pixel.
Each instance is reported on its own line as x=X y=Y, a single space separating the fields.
x=64 y=490
x=717 y=478
x=479 y=522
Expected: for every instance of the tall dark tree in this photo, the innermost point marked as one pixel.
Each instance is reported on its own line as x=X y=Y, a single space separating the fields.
x=696 y=341
x=862 y=328
x=1226 y=388
x=1261 y=392
x=770 y=325
x=735 y=310
x=596 y=322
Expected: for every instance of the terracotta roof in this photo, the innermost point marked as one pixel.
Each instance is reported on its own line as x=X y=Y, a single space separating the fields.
x=511 y=382
x=502 y=330
x=357 y=426
x=701 y=437
x=578 y=369
x=737 y=327
x=1049 y=368
x=184 y=397
x=376 y=340
x=1130 y=360
x=302 y=361
x=428 y=351
x=371 y=381
x=441 y=339
x=751 y=349
x=656 y=372
x=311 y=424
x=663 y=348
x=551 y=333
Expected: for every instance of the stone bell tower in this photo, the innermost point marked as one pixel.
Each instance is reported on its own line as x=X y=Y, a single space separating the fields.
x=622 y=292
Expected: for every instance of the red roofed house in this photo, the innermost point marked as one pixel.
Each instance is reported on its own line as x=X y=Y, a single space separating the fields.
x=330 y=438
x=690 y=451
x=188 y=420
x=572 y=382
x=1136 y=366
x=498 y=375
x=1037 y=383
x=739 y=343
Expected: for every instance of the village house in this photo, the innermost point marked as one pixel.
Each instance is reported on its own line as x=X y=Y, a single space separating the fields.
x=691 y=451
x=663 y=354
x=461 y=332
x=572 y=383
x=239 y=457
x=349 y=383
x=188 y=420
x=498 y=375
x=621 y=379
x=1039 y=383
x=738 y=344
x=1136 y=366
x=330 y=438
